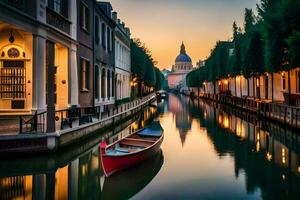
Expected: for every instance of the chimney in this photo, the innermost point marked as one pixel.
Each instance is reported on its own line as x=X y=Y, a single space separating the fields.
x=115 y=16
x=128 y=31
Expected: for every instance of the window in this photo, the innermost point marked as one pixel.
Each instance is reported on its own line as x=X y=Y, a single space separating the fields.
x=103 y=38
x=84 y=74
x=111 y=42
x=55 y=5
x=283 y=82
x=12 y=80
x=108 y=39
x=84 y=17
x=298 y=81
x=97 y=82
x=97 y=35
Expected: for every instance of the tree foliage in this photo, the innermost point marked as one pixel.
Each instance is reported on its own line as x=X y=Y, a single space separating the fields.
x=143 y=65
x=270 y=42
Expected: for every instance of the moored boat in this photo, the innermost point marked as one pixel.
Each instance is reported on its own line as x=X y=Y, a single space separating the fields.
x=132 y=149
x=135 y=179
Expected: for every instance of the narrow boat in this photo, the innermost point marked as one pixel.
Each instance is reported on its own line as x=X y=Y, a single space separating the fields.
x=127 y=183
x=132 y=149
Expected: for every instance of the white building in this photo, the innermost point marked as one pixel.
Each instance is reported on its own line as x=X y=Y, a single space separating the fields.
x=183 y=65
x=122 y=60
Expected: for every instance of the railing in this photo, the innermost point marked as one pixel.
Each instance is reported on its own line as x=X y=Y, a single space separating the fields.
x=56 y=20
x=75 y=116
x=289 y=115
x=32 y=123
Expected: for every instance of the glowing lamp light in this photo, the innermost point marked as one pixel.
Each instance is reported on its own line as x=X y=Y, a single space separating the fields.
x=269 y=156
x=299 y=169
x=226 y=122
x=283 y=156
x=257 y=146
x=226 y=82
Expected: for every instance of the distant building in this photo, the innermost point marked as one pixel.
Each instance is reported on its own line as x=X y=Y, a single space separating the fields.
x=122 y=59
x=183 y=65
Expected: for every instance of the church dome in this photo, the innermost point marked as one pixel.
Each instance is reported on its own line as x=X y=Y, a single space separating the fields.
x=183 y=57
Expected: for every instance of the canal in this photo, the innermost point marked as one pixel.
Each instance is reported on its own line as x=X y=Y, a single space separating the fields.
x=209 y=152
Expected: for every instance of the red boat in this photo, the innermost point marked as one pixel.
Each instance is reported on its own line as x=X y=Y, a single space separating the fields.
x=131 y=150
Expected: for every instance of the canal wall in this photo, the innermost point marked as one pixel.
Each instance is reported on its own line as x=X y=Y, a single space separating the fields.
x=276 y=112
x=41 y=143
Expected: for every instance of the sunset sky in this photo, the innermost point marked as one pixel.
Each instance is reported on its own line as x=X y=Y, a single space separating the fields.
x=164 y=24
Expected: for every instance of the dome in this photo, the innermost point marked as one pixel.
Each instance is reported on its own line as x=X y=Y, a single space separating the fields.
x=183 y=57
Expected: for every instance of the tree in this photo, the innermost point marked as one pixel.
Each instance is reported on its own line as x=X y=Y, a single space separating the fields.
x=142 y=65
x=253 y=59
x=293 y=42
x=236 y=59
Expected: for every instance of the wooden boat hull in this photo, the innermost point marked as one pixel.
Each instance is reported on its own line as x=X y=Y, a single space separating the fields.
x=135 y=179
x=112 y=164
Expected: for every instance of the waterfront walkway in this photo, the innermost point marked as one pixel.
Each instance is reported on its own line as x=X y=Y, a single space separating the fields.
x=278 y=112
x=29 y=133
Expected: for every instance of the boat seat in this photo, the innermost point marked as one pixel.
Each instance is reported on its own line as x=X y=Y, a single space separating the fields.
x=114 y=152
x=136 y=143
x=140 y=140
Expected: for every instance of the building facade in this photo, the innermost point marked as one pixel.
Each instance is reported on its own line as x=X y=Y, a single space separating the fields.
x=37 y=55
x=61 y=53
x=122 y=60
x=104 y=55
x=183 y=65
x=85 y=52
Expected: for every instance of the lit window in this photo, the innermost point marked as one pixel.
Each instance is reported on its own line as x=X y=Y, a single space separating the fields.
x=84 y=66
x=298 y=81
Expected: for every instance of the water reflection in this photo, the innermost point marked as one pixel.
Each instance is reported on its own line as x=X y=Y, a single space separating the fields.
x=209 y=152
x=267 y=154
x=74 y=173
x=181 y=116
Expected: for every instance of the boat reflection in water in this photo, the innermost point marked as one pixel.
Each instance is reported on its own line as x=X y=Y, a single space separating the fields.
x=127 y=183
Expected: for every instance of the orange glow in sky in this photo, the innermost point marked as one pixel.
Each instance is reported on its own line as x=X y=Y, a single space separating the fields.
x=164 y=24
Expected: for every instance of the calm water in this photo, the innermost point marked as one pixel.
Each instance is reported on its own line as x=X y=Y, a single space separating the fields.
x=208 y=153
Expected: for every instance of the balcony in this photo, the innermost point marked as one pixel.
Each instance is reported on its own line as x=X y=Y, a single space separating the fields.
x=58 y=21
x=24 y=6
